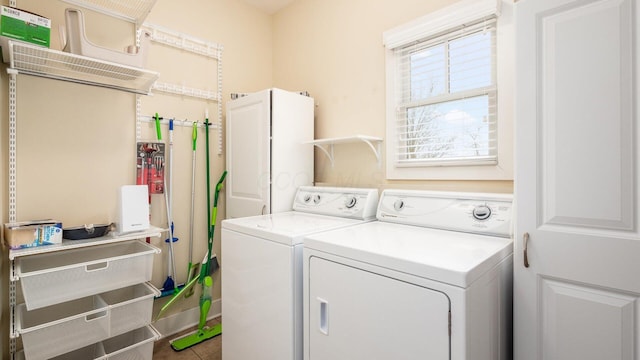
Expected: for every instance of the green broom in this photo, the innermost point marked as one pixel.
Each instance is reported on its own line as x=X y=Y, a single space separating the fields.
x=204 y=332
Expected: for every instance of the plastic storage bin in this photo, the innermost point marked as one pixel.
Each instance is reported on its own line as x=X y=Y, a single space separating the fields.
x=53 y=278
x=76 y=42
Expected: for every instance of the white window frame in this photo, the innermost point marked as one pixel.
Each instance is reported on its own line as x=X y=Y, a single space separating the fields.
x=438 y=22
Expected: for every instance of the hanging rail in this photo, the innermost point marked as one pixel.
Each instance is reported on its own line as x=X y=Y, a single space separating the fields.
x=182 y=41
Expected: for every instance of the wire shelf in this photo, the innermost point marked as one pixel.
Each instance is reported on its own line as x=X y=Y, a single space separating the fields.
x=134 y=11
x=44 y=62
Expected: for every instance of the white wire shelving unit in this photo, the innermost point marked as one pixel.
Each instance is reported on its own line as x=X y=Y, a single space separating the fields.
x=48 y=63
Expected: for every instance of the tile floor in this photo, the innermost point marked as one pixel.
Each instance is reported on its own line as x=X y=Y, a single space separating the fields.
x=210 y=349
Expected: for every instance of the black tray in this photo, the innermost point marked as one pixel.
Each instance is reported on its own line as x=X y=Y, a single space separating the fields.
x=88 y=231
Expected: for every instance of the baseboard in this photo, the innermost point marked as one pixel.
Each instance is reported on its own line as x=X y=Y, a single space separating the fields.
x=184 y=320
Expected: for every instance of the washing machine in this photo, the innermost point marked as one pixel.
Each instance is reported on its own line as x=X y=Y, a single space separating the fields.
x=431 y=279
x=262 y=270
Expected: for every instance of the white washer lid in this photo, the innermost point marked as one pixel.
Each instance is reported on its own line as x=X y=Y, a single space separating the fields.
x=446 y=256
x=288 y=227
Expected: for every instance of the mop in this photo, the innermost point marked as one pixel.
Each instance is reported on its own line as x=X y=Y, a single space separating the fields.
x=212 y=259
x=169 y=284
x=192 y=268
x=204 y=332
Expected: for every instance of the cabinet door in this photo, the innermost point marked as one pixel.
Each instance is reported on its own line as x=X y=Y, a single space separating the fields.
x=577 y=291
x=357 y=315
x=248 y=155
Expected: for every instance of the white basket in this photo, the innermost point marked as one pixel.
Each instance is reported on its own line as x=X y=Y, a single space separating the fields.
x=137 y=344
x=130 y=308
x=61 y=328
x=58 y=329
x=57 y=277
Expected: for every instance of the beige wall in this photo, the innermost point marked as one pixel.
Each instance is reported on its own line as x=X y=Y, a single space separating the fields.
x=333 y=49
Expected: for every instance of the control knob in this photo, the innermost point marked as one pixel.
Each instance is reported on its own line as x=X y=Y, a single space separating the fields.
x=481 y=212
x=350 y=202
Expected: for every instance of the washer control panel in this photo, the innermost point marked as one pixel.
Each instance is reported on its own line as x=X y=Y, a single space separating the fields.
x=355 y=203
x=481 y=213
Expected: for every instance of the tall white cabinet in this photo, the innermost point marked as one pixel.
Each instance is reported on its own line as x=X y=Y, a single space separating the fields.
x=269 y=151
x=577 y=238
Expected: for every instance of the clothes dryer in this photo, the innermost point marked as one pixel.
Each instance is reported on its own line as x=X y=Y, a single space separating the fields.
x=262 y=270
x=432 y=279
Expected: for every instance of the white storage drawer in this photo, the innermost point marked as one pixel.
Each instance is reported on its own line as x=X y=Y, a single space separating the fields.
x=58 y=329
x=61 y=328
x=56 y=277
x=129 y=308
x=137 y=344
x=133 y=345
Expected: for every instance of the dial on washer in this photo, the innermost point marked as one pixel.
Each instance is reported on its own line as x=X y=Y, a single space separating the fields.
x=481 y=212
x=350 y=202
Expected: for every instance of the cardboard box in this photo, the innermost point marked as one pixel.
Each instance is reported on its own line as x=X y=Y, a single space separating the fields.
x=25 y=26
x=32 y=233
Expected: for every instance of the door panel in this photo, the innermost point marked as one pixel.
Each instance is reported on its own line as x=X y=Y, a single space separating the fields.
x=600 y=112
x=355 y=314
x=576 y=180
x=248 y=155
x=582 y=322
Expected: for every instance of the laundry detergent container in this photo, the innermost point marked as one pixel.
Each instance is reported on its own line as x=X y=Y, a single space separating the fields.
x=61 y=276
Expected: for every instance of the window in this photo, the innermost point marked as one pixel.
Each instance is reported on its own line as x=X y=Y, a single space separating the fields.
x=442 y=96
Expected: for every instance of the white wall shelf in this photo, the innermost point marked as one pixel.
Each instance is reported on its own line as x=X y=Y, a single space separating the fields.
x=326 y=145
x=48 y=63
x=153 y=231
x=134 y=11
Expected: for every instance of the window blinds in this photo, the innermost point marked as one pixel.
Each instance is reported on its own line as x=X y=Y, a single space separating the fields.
x=446 y=97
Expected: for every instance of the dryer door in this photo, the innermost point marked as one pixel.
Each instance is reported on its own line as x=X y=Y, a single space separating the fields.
x=356 y=314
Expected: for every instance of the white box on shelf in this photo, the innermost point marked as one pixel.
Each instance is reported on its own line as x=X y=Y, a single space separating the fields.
x=134 y=208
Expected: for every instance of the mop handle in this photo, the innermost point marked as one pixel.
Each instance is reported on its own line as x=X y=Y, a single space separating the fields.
x=158 y=130
x=193 y=190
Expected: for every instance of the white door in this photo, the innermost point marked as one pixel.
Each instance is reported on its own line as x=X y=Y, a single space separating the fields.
x=248 y=158
x=358 y=315
x=577 y=180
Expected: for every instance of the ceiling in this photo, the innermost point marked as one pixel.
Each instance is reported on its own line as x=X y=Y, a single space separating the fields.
x=269 y=6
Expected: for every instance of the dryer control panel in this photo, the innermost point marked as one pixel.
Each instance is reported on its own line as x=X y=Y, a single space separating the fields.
x=480 y=213
x=354 y=203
